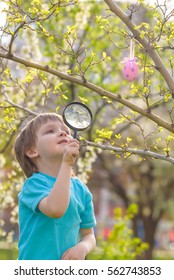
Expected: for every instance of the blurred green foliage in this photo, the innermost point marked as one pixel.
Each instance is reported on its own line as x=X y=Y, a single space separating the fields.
x=8 y=254
x=121 y=243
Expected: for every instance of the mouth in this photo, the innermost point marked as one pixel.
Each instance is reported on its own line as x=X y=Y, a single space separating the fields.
x=63 y=141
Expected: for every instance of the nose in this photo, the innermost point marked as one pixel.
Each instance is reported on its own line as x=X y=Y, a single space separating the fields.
x=63 y=133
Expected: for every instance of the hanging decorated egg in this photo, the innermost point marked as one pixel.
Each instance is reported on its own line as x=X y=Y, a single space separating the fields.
x=131 y=69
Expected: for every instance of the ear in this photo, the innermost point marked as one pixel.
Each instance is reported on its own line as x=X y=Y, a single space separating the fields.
x=32 y=153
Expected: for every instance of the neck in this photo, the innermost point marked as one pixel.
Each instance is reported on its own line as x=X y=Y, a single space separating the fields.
x=49 y=168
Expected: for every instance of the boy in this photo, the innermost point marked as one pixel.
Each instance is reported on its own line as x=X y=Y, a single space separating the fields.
x=56 y=216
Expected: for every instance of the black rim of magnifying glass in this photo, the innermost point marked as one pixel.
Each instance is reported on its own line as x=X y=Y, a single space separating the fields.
x=82 y=105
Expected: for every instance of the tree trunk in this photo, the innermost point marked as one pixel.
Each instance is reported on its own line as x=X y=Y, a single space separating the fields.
x=150 y=226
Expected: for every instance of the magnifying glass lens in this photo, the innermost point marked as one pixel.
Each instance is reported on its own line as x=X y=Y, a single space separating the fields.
x=77 y=116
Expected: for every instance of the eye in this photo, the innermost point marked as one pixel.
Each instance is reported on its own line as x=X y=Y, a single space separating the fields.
x=49 y=131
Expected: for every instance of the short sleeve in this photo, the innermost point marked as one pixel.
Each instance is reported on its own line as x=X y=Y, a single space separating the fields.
x=34 y=190
x=88 y=217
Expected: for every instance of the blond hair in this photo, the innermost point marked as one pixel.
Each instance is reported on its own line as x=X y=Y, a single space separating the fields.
x=27 y=138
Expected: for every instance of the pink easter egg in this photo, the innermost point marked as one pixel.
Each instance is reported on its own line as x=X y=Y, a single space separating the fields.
x=130 y=70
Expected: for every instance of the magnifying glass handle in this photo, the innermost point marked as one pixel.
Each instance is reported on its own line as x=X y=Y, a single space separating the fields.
x=75 y=134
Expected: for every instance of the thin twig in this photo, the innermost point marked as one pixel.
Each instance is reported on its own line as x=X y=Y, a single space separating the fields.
x=119 y=150
x=7 y=99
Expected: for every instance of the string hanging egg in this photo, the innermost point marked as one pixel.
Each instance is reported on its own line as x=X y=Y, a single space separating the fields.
x=131 y=68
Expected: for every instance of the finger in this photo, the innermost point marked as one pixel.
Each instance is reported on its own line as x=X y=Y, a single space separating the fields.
x=73 y=141
x=65 y=256
x=72 y=146
x=71 y=149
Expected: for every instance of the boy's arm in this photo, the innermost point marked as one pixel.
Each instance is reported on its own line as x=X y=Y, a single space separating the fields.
x=56 y=203
x=83 y=248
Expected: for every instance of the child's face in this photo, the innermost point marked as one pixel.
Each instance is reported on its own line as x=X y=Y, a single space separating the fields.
x=51 y=139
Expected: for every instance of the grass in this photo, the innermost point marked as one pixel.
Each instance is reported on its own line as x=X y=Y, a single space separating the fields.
x=8 y=254
x=12 y=254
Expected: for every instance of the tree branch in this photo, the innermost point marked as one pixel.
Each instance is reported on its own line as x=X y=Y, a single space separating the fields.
x=7 y=99
x=144 y=42
x=100 y=91
x=14 y=36
x=119 y=150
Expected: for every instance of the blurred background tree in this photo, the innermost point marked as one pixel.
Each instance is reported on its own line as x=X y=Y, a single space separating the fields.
x=55 y=52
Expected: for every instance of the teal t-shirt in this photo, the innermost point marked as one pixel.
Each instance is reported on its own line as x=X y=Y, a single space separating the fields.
x=45 y=238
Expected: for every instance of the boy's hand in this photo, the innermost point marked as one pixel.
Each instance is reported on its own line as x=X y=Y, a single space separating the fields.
x=81 y=249
x=77 y=252
x=71 y=151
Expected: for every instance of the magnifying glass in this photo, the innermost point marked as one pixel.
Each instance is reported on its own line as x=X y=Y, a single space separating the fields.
x=77 y=116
